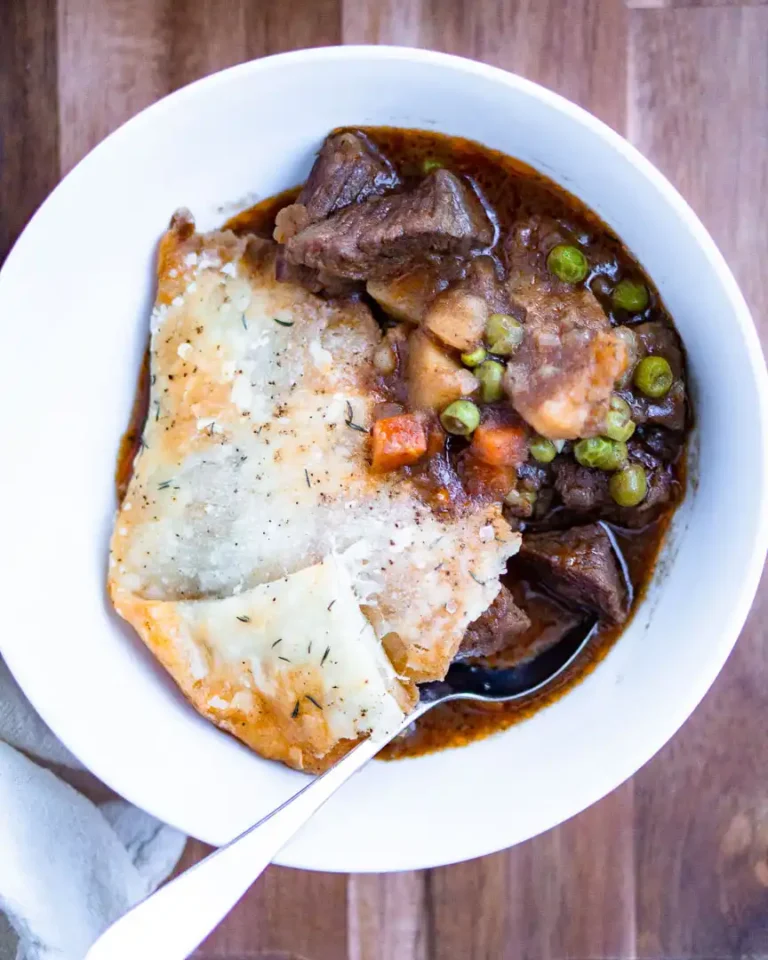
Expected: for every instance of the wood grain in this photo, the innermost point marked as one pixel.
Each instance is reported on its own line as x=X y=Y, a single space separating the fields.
x=572 y=47
x=29 y=119
x=568 y=893
x=701 y=805
x=680 y=4
x=673 y=865
x=288 y=914
x=389 y=917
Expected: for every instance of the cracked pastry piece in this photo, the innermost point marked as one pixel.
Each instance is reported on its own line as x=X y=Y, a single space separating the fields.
x=256 y=553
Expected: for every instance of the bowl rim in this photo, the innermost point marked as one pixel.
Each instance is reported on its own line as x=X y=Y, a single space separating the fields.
x=754 y=552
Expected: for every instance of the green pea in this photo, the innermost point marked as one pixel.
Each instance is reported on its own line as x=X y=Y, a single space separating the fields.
x=504 y=334
x=568 y=263
x=601 y=453
x=630 y=296
x=490 y=374
x=653 y=377
x=542 y=450
x=475 y=358
x=460 y=417
x=618 y=421
x=431 y=164
x=629 y=486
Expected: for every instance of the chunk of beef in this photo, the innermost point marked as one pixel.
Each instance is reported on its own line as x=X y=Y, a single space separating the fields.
x=348 y=169
x=316 y=281
x=584 y=492
x=382 y=236
x=528 y=244
x=562 y=376
x=551 y=622
x=496 y=629
x=581 y=489
x=580 y=566
x=668 y=411
x=665 y=445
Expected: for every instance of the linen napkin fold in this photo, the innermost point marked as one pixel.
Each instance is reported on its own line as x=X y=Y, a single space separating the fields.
x=68 y=866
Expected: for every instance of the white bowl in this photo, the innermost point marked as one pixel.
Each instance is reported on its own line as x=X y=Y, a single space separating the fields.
x=74 y=301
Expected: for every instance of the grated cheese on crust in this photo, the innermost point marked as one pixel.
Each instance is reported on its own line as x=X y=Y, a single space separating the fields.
x=252 y=492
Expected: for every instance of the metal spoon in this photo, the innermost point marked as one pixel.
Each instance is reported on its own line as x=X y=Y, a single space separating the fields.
x=171 y=922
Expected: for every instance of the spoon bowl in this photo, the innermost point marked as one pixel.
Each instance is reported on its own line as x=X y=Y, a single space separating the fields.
x=465 y=681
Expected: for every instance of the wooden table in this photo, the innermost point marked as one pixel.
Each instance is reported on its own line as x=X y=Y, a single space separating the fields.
x=674 y=864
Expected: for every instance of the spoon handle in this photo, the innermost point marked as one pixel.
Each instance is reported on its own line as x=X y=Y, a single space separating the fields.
x=171 y=922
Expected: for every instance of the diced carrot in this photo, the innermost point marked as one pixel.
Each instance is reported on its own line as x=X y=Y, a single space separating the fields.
x=481 y=479
x=500 y=445
x=398 y=441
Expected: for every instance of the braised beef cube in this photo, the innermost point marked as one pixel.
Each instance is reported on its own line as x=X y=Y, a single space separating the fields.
x=581 y=489
x=579 y=565
x=663 y=444
x=668 y=411
x=641 y=454
x=313 y=280
x=528 y=243
x=347 y=170
x=551 y=622
x=381 y=236
x=496 y=629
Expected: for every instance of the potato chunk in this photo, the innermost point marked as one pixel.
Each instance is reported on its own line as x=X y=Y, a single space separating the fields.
x=407 y=297
x=458 y=318
x=434 y=378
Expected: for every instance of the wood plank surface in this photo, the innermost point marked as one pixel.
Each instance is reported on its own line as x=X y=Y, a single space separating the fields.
x=674 y=864
x=390 y=916
x=702 y=878
x=29 y=116
x=679 y=4
x=568 y=893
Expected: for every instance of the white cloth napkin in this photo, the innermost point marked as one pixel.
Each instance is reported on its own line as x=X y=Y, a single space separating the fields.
x=68 y=867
